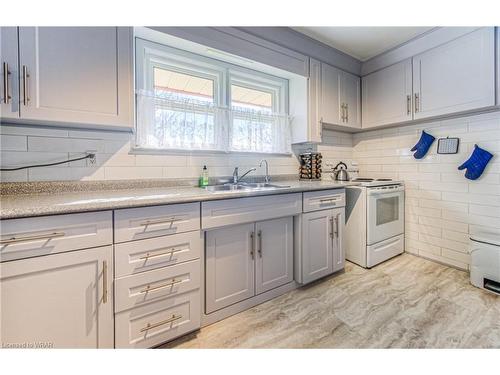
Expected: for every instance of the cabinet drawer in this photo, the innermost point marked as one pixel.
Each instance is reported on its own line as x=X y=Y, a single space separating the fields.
x=145 y=255
x=146 y=287
x=245 y=210
x=323 y=200
x=35 y=236
x=156 y=323
x=146 y=222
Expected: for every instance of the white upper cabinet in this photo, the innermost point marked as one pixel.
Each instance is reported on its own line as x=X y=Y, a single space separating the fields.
x=340 y=97
x=314 y=96
x=330 y=94
x=387 y=95
x=350 y=96
x=455 y=77
x=76 y=75
x=9 y=96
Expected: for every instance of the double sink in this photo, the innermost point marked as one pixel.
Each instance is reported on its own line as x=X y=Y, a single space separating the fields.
x=244 y=187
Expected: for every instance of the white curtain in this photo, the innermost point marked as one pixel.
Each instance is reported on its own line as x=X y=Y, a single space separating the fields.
x=253 y=131
x=170 y=122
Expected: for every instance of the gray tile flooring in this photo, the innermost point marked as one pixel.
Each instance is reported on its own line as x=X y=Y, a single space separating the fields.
x=407 y=302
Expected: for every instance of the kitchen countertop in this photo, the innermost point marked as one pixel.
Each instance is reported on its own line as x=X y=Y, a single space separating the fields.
x=39 y=204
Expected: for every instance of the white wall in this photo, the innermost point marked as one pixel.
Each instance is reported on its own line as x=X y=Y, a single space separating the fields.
x=442 y=206
x=22 y=145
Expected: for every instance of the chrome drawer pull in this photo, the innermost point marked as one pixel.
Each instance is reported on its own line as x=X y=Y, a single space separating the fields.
x=330 y=200
x=160 y=221
x=149 y=255
x=154 y=325
x=32 y=238
x=150 y=288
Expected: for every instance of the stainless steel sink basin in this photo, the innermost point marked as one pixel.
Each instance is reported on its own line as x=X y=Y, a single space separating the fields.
x=262 y=185
x=244 y=187
x=228 y=187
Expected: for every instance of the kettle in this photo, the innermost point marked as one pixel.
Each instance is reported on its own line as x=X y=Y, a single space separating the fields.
x=339 y=173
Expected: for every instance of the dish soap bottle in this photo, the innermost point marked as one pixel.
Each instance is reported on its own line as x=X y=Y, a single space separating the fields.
x=204 y=177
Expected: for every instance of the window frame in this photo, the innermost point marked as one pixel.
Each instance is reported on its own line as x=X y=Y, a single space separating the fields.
x=150 y=55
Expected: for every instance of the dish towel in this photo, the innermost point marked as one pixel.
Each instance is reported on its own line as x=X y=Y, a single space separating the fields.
x=423 y=145
x=476 y=163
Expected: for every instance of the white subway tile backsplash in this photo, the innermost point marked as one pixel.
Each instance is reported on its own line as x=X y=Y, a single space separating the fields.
x=50 y=144
x=13 y=143
x=442 y=206
x=130 y=173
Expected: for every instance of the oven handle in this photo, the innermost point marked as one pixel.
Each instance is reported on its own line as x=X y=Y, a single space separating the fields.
x=385 y=190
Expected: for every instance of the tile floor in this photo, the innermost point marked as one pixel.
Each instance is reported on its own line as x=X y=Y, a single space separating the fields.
x=407 y=302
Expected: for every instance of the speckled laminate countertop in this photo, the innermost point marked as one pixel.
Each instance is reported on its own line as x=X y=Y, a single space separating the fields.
x=39 y=204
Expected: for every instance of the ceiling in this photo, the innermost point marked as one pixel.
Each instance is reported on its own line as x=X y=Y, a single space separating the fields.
x=362 y=42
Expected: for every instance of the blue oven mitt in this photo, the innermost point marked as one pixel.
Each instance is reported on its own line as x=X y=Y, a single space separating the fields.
x=423 y=145
x=476 y=163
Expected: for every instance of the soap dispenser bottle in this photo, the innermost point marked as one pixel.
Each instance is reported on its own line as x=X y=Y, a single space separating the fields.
x=204 y=177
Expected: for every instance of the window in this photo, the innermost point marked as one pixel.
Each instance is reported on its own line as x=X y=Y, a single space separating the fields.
x=190 y=102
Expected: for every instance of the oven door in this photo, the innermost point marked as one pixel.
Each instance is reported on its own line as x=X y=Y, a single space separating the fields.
x=385 y=213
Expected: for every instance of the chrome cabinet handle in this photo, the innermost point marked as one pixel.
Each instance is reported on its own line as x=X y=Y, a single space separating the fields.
x=337 y=226
x=417 y=103
x=104 y=281
x=331 y=227
x=343 y=112
x=252 y=245
x=408 y=104
x=160 y=221
x=32 y=238
x=347 y=112
x=149 y=255
x=26 y=75
x=154 y=325
x=150 y=288
x=259 y=235
x=6 y=73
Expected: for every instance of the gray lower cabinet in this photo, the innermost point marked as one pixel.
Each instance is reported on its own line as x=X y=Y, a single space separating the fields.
x=247 y=259
x=229 y=263
x=62 y=300
x=321 y=247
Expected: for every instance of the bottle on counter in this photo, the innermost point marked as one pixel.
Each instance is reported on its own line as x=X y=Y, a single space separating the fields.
x=204 y=177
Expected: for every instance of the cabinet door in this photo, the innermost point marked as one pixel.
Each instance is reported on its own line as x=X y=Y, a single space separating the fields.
x=63 y=300
x=350 y=97
x=338 y=239
x=77 y=75
x=330 y=94
x=457 y=76
x=274 y=258
x=314 y=104
x=317 y=232
x=387 y=95
x=229 y=265
x=9 y=96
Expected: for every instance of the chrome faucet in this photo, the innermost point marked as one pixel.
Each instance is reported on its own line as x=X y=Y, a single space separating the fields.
x=237 y=178
x=267 y=179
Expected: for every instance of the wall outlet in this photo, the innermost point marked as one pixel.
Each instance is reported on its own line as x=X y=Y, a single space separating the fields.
x=91 y=161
